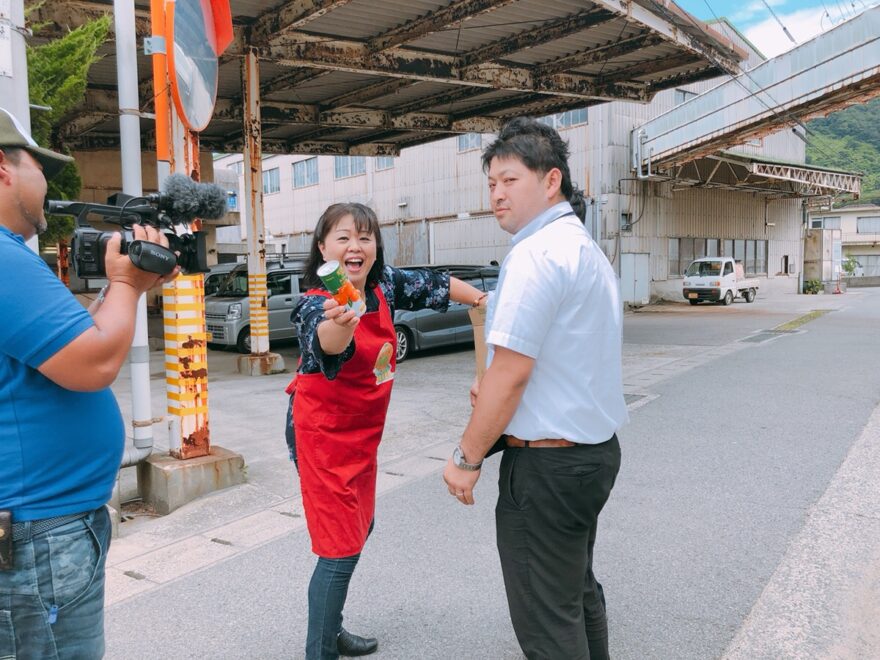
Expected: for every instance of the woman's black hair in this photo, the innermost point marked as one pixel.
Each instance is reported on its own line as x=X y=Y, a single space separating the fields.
x=365 y=220
x=537 y=145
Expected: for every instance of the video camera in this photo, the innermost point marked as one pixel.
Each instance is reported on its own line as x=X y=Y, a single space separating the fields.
x=182 y=201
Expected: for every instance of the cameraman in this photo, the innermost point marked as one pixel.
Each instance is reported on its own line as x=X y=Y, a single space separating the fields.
x=61 y=432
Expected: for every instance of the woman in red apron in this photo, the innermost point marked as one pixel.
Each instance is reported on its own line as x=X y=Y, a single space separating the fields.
x=339 y=399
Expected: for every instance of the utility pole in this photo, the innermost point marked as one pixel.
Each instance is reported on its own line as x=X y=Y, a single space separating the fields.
x=14 y=94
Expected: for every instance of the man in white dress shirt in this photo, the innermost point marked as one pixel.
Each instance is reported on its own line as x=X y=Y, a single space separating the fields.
x=553 y=391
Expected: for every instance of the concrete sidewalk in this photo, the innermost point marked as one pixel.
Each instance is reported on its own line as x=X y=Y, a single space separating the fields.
x=428 y=412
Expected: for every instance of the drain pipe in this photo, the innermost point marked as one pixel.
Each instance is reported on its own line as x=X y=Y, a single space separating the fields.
x=132 y=184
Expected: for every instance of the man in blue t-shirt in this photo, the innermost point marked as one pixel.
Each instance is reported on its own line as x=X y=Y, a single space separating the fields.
x=61 y=432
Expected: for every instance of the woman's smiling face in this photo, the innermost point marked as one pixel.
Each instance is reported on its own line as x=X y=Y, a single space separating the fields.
x=354 y=250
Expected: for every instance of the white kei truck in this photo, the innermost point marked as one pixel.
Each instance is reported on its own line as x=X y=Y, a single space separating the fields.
x=717 y=279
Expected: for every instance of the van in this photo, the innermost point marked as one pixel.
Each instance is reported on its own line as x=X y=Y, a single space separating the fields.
x=227 y=311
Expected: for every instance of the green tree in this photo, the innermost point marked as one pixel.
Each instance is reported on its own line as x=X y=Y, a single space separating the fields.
x=57 y=78
x=849 y=140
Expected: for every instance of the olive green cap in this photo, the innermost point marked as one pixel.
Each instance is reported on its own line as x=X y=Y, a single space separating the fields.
x=12 y=134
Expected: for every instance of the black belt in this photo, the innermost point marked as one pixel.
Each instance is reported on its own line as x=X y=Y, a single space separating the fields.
x=24 y=531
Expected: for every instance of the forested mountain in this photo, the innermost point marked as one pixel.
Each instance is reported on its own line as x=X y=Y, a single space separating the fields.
x=849 y=140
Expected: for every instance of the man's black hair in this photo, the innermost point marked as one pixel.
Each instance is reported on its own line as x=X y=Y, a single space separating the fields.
x=537 y=145
x=13 y=154
x=578 y=203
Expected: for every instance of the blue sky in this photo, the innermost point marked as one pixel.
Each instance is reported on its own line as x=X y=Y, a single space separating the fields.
x=803 y=18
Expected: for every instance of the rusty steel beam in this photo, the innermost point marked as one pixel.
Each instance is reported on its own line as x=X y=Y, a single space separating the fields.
x=684 y=79
x=292 y=113
x=368 y=93
x=55 y=18
x=654 y=66
x=288 y=80
x=276 y=21
x=601 y=53
x=79 y=125
x=442 y=98
x=678 y=29
x=326 y=148
x=456 y=12
x=354 y=56
x=550 y=31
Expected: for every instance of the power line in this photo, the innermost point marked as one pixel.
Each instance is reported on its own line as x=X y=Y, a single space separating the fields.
x=784 y=29
x=785 y=115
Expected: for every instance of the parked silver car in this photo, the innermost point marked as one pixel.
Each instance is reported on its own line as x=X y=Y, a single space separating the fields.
x=227 y=311
x=426 y=328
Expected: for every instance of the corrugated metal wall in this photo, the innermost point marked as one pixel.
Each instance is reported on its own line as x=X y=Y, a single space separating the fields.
x=469 y=241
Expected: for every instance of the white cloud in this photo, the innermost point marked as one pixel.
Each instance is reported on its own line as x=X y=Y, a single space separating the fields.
x=803 y=25
x=745 y=14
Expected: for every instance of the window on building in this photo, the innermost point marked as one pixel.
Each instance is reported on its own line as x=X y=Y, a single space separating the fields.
x=674 y=270
x=566 y=119
x=867 y=265
x=237 y=167
x=305 y=173
x=750 y=257
x=761 y=257
x=868 y=225
x=345 y=166
x=384 y=163
x=682 y=251
x=231 y=200
x=468 y=141
x=682 y=95
x=825 y=223
x=271 y=181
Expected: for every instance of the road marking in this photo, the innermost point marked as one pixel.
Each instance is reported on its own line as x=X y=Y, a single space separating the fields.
x=794 y=324
x=822 y=601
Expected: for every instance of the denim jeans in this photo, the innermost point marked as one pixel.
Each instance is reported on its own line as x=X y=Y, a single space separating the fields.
x=52 y=602
x=327 y=592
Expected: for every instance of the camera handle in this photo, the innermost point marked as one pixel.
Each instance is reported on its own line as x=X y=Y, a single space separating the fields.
x=148 y=256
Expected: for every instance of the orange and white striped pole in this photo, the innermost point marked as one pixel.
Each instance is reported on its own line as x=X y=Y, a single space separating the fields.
x=185 y=332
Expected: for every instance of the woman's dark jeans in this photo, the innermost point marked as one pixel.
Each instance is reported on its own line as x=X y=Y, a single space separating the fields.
x=327 y=592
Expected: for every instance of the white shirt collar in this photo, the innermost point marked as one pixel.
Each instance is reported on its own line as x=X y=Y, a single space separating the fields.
x=543 y=219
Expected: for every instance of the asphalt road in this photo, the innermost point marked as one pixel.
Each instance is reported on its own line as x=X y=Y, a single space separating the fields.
x=722 y=466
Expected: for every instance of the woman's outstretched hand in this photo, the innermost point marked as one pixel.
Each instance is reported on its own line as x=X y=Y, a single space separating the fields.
x=340 y=315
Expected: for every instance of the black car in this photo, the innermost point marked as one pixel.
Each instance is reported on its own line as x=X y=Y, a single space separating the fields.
x=426 y=328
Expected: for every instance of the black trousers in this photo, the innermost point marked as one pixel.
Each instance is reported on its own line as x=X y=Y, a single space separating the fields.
x=548 y=506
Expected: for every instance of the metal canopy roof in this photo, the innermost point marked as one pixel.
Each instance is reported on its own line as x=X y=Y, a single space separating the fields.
x=832 y=71
x=370 y=77
x=773 y=178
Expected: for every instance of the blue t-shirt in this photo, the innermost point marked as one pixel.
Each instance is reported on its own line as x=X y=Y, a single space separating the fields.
x=59 y=450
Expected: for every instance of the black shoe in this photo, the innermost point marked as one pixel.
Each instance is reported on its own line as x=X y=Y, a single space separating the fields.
x=353 y=645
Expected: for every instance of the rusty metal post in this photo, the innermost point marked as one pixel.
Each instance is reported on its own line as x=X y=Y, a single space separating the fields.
x=260 y=361
x=183 y=301
x=186 y=353
x=253 y=179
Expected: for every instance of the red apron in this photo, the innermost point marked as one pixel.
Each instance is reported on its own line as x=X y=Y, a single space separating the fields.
x=338 y=426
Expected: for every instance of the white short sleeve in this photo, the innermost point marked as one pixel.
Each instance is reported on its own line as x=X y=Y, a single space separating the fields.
x=527 y=298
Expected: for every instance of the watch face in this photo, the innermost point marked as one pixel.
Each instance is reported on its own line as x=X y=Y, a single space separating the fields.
x=457 y=458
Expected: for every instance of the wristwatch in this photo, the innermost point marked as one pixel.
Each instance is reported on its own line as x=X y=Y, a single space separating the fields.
x=461 y=462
